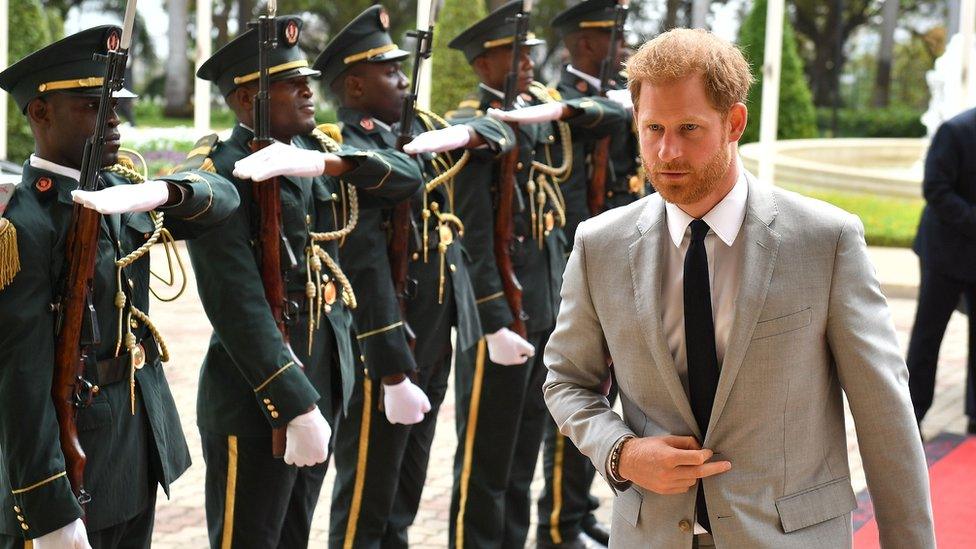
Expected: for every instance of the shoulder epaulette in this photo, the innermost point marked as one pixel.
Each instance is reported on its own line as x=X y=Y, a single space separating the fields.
x=9 y=255
x=331 y=130
x=199 y=156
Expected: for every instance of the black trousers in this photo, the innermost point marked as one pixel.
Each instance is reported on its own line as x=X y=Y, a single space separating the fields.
x=501 y=417
x=135 y=533
x=937 y=297
x=381 y=467
x=565 y=503
x=255 y=500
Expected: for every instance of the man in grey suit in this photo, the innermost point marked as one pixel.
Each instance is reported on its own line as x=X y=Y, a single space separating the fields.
x=746 y=313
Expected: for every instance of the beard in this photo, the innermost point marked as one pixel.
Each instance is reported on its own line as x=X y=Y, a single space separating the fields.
x=699 y=183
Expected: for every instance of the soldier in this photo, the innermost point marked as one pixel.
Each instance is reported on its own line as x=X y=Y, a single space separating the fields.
x=379 y=483
x=501 y=414
x=129 y=429
x=252 y=379
x=566 y=508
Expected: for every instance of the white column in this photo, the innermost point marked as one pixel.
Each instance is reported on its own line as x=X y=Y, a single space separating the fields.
x=201 y=88
x=770 y=91
x=4 y=44
x=967 y=27
x=423 y=87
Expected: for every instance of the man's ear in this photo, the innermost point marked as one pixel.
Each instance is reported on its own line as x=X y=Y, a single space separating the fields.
x=352 y=86
x=243 y=98
x=39 y=113
x=737 y=120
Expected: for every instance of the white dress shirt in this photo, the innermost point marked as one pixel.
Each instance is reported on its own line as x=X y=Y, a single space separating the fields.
x=724 y=253
x=47 y=165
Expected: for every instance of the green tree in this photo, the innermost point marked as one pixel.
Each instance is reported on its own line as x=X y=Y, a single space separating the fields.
x=31 y=29
x=797 y=118
x=452 y=77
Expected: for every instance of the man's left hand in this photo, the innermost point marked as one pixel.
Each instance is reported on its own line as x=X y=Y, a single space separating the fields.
x=141 y=197
x=545 y=112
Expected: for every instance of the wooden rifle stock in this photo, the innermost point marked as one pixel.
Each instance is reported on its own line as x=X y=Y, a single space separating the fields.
x=596 y=192
x=268 y=200
x=75 y=305
x=398 y=249
x=505 y=237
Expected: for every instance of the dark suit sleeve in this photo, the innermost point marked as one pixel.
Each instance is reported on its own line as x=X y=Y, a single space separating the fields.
x=233 y=297
x=208 y=200
x=473 y=204
x=498 y=136
x=383 y=177
x=32 y=460
x=942 y=173
x=597 y=117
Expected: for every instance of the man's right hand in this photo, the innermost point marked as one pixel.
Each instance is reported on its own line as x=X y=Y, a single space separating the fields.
x=507 y=348
x=668 y=464
x=308 y=439
x=280 y=159
x=72 y=536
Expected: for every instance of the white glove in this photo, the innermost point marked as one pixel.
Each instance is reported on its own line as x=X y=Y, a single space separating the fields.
x=308 y=439
x=280 y=159
x=444 y=139
x=405 y=403
x=141 y=197
x=72 y=536
x=622 y=98
x=507 y=348
x=545 y=112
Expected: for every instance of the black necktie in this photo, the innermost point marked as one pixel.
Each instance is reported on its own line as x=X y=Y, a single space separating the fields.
x=700 y=341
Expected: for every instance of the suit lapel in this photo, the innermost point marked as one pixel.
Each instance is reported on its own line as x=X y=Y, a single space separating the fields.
x=646 y=262
x=759 y=248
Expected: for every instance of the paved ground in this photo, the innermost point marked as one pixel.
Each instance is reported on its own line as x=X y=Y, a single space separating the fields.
x=180 y=521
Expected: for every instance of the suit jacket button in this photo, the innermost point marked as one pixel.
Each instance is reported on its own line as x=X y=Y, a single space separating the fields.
x=684 y=525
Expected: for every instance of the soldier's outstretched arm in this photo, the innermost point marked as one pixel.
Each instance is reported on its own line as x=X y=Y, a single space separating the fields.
x=40 y=497
x=387 y=177
x=208 y=200
x=233 y=297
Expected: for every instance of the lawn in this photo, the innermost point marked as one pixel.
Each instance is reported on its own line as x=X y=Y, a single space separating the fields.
x=888 y=221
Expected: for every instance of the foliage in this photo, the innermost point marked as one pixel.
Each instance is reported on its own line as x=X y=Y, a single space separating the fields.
x=888 y=221
x=150 y=113
x=895 y=121
x=453 y=78
x=797 y=118
x=32 y=26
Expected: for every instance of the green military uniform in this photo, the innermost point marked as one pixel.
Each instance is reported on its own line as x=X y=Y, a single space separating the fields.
x=500 y=410
x=128 y=453
x=390 y=467
x=250 y=381
x=565 y=503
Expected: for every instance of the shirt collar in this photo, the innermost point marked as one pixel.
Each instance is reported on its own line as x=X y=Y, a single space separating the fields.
x=724 y=219
x=591 y=80
x=383 y=125
x=47 y=165
x=250 y=129
x=491 y=90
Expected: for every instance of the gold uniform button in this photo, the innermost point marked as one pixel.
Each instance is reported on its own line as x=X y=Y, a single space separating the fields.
x=16 y=509
x=274 y=415
x=684 y=525
x=271 y=407
x=23 y=526
x=502 y=141
x=453 y=268
x=266 y=401
x=20 y=518
x=552 y=138
x=335 y=196
x=415 y=256
x=362 y=358
x=519 y=166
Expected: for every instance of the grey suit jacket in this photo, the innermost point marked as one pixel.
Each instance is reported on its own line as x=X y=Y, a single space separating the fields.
x=810 y=324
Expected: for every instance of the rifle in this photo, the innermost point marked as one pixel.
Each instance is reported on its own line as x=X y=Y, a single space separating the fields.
x=266 y=196
x=596 y=192
x=77 y=323
x=398 y=249
x=504 y=222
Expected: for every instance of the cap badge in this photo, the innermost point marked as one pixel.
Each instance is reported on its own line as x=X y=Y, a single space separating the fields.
x=291 y=33
x=112 y=41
